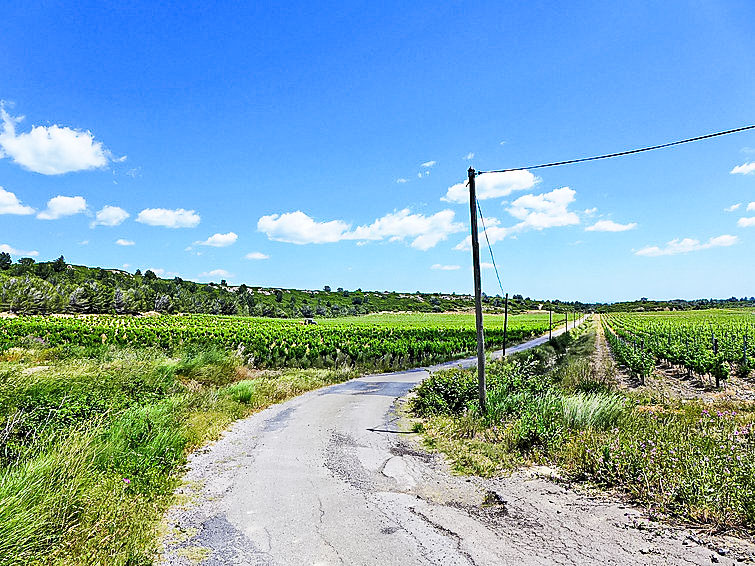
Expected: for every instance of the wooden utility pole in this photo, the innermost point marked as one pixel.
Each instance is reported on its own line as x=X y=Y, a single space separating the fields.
x=477 y=290
x=550 y=325
x=505 y=321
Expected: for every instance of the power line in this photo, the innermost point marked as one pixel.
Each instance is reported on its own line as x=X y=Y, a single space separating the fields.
x=620 y=153
x=485 y=231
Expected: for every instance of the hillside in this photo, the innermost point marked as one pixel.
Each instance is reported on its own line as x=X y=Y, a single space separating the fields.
x=29 y=287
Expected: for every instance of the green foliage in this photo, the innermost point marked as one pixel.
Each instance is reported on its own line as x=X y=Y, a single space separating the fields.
x=379 y=343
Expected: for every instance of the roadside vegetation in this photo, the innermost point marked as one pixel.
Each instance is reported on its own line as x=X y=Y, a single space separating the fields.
x=93 y=440
x=693 y=459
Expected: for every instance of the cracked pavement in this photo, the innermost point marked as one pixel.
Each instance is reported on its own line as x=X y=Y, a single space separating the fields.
x=330 y=477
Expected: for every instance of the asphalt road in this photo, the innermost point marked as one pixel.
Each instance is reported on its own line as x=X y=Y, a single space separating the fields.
x=330 y=478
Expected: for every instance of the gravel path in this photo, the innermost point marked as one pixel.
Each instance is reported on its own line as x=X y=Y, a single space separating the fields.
x=331 y=477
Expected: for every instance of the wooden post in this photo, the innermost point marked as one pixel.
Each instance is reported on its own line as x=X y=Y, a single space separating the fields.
x=566 y=321
x=505 y=322
x=550 y=325
x=715 y=353
x=477 y=290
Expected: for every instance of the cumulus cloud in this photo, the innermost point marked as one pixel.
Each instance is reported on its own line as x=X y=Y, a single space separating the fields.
x=122 y=242
x=733 y=207
x=110 y=216
x=256 y=256
x=51 y=150
x=546 y=210
x=744 y=169
x=746 y=222
x=60 y=206
x=168 y=218
x=222 y=273
x=13 y=251
x=220 y=240
x=424 y=232
x=401 y=180
x=438 y=266
x=429 y=164
x=9 y=204
x=751 y=206
x=492 y=185
x=299 y=228
x=610 y=226
x=534 y=212
x=686 y=245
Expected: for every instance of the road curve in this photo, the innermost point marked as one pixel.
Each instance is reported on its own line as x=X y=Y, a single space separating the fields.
x=329 y=478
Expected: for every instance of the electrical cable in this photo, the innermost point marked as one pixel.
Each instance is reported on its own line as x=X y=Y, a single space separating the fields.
x=485 y=231
x=620 y=153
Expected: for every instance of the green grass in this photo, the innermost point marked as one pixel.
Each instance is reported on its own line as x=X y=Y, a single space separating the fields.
x=91 y=448
x=693 y=460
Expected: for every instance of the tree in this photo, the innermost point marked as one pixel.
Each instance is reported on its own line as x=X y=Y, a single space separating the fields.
x=278 y=296
x=149 y=275
x=138 y=273
x=223 y=283
x=162 y=303
x=326 y=288
x=26 y=261
x=5 y=261
x=59 y=264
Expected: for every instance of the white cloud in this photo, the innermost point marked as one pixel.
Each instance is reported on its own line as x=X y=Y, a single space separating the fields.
x=546 y=210
x=13 y=251
x=401 y=180
x=610 y=226
x=469 y=156
x=744 y=169
x=298 y=228
x=590 y=211
x=178 y=218
x=256 y=256
x=222 y=273
x=440 y=267
x=220 y=240
x=110 y=216
x=686 y=245
x=419 y=175
x=733 y=207
x=122 y=242
x=746 y=222
x=51 y=150
x=486 y=265
x=751 y=206
x=429 y=163
x=9 y=204
x=535 y=212
x=492 y=185
x=424 y=231
x=60 y=206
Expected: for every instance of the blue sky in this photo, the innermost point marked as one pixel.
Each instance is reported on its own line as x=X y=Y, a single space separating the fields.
x=303 y=145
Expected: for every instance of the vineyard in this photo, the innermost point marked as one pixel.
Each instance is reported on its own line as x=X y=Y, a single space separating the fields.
x=376 y=341
x=714 y=342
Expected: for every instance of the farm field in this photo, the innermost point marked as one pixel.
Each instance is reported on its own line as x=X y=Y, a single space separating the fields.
x=384 y=341
x=713 y=343
x=98 y=413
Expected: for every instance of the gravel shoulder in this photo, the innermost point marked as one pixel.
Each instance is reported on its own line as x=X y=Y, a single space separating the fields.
x=334 y=477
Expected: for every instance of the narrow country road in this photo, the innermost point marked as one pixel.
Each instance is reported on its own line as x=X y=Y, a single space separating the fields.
x=330 y=478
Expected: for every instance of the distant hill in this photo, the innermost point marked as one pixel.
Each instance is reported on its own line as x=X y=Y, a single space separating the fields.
x=29 y=287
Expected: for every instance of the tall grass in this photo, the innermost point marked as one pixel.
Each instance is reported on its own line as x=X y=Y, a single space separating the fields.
x=91 y=447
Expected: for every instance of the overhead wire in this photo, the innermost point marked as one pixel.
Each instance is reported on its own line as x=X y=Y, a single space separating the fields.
x=485 y=231
x=620 y=153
